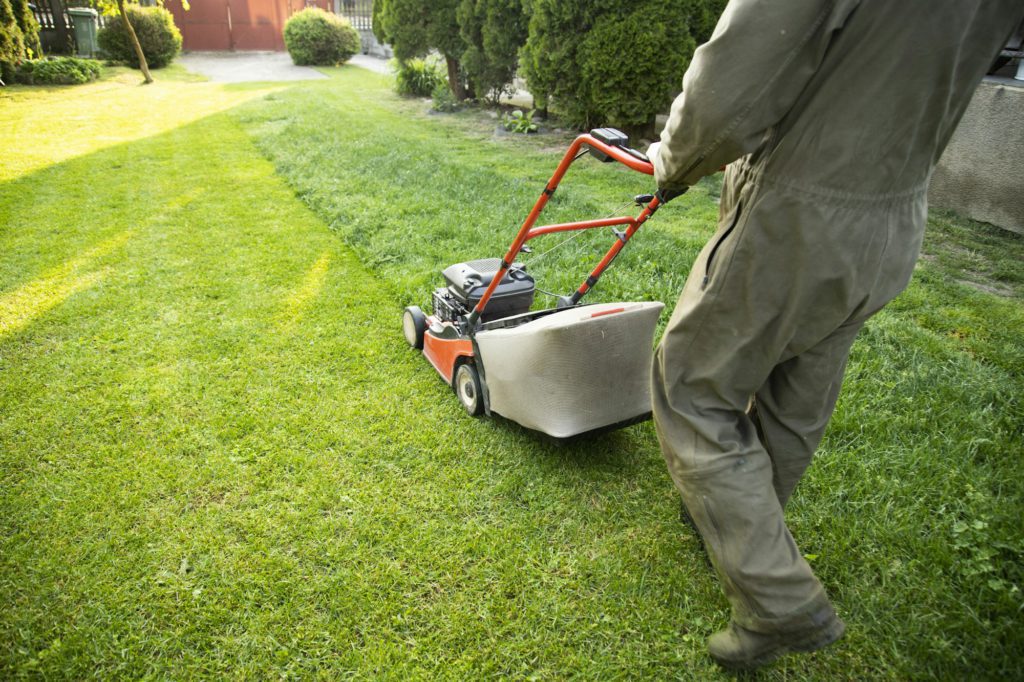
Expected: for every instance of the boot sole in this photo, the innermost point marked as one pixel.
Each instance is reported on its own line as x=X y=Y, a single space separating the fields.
x=819 y=639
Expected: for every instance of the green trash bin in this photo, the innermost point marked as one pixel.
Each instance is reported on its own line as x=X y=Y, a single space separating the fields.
x=84 y=21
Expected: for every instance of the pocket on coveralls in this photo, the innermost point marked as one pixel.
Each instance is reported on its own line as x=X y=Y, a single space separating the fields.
x=718 y=243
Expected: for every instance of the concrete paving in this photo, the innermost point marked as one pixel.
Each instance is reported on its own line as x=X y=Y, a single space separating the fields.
x=246 y=67
x=372 y=63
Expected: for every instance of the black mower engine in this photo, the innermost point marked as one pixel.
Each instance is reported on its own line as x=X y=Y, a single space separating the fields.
x=467 y=283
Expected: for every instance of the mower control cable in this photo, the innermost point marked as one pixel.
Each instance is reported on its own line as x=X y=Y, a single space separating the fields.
x=534 y=259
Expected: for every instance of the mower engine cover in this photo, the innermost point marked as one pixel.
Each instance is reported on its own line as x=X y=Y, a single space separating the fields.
x=467 y=282
x=575 y=370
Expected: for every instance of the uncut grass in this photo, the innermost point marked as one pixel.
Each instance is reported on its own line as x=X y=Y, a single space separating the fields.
x=911 y=512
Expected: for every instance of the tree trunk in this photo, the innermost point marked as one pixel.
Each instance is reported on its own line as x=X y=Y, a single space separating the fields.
x=135 y=42
x=454 y=79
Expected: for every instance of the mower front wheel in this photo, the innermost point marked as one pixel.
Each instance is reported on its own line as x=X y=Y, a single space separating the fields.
x=414 y=325
x=467 y=388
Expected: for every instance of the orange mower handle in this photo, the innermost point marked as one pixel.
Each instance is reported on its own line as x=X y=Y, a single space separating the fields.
x=606 y=144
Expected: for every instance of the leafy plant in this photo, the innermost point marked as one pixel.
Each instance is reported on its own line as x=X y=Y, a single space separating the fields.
x=319 y=38
x=443 y=99
x=417 y=77
x=518 y=122
x=159 y=38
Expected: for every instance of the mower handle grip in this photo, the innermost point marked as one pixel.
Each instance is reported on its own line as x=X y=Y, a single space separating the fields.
x=627 y=157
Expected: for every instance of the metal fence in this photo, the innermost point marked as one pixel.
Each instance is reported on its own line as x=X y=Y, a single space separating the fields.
x=358 y=12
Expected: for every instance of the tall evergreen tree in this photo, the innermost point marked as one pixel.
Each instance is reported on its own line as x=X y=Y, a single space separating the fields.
x=494 y=31
x=12 y=41
x=414 y=27
x=611 y=62
x=28 y=25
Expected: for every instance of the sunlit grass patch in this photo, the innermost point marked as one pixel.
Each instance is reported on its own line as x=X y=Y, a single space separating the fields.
x=46 y=125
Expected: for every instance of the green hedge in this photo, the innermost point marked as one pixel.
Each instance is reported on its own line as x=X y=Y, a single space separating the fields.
x=57 y=71
x=318 y=38
x=158 y=36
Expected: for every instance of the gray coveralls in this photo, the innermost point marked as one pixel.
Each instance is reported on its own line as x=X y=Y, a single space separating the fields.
x=832 y=115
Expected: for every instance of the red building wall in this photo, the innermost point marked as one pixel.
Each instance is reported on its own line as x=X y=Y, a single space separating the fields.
x=236 y=24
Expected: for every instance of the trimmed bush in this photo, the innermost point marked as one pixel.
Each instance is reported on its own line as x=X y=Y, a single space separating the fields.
x=616 y=64
x=494 y=31
x=417 y=77
x=317 y=38
x=57 y=71
x=158 y=36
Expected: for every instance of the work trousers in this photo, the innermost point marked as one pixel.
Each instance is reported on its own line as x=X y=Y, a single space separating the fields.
x=749 y=369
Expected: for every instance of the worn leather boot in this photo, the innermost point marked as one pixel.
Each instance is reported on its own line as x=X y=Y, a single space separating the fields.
x=741 y=649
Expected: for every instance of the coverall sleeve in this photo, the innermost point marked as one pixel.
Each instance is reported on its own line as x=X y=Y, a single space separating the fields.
x=742 y=82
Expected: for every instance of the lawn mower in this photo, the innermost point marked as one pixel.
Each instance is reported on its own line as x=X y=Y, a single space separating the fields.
x=566 y=370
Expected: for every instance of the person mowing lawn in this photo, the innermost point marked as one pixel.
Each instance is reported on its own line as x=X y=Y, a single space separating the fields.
x=831 y=115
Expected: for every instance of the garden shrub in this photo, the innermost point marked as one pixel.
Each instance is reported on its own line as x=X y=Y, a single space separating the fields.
x=417 y=77
x=616 y=64
x=158 y=36
x=317 y=38
x=57 y=71
x=494 y=31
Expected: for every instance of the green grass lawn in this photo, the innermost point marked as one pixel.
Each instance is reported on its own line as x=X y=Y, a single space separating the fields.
x=218 y=457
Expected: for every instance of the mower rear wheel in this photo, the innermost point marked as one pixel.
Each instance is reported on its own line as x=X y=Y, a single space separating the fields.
x=414 y=325
x=467 y=387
